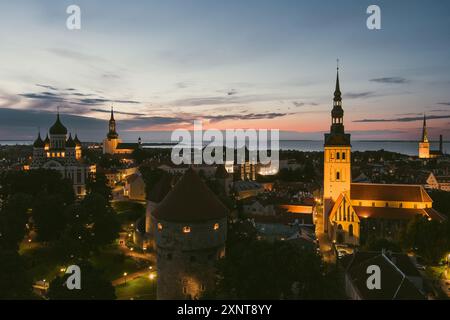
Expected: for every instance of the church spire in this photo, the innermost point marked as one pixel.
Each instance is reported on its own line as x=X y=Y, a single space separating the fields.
x=112 y=134
x=337 y=91
x=337 y=135
x=424 y=129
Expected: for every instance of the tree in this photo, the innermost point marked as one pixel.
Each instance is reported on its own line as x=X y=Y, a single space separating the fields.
x=99 y=184
x=441 y=201
x=35 y=182
x=48 y=216
x=375 y=244
x=13 y=217
x=91 y=224
x=255 y=269
x=429 y=239
x=15 y=283
x=94 y=286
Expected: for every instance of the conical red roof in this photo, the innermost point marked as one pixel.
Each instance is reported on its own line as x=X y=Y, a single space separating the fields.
x=190 y=201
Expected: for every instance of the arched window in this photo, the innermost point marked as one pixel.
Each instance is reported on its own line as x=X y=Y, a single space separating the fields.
x=338 y=155
x=350 y=230
x=338 y=175
x=343 y=155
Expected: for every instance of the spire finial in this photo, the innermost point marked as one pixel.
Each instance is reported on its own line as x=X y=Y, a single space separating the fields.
x=337 y=91
x=424 y=129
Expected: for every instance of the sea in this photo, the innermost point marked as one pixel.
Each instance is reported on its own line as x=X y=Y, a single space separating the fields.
x=403 y=147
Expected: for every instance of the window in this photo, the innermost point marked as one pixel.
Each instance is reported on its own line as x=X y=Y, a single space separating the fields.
x=184 y=290
x=415 y=206
x=338 y=175
x=343 y=155
x=160 y=226
x=203 y=287
x=387 y=205
x=373 y=204
x=338 y=155
x=186 y=229
x=400 y=205
x=216 y=226
x=350 y=230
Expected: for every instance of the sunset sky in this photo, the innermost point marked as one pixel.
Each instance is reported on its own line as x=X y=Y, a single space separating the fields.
x=234 y=64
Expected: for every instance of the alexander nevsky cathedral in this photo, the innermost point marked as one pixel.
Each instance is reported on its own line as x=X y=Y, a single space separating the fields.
x=62 y=153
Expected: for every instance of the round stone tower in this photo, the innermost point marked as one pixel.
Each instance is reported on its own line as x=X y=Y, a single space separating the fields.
x=190 y=231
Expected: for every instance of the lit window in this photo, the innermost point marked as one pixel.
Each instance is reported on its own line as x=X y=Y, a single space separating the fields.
x=186 y=229
x=216 y=226
x=159 y=226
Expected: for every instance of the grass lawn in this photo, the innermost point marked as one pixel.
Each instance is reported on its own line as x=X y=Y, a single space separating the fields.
x=128 y=211
x=141 y=288
x=42 y=262
x=115 y=263
x=435 y=272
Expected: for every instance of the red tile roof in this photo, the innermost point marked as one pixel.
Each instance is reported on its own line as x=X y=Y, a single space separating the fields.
x=389 y=192
x=190 y=201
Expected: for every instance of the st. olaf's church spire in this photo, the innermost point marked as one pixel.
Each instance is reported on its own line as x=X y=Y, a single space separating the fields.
x=337 y=135
x=424 y=129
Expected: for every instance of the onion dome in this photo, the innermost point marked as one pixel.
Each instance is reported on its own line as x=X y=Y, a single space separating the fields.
x=47 y=140
x=58 y=127
x=70 y=143
x=190 y=201
x=77 y=141
x=38 y=143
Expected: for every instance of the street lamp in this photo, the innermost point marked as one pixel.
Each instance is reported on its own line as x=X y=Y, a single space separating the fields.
x=125 y=275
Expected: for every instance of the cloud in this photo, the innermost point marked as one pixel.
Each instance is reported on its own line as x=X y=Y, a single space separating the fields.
x=119 y=112
x=232 y=92
x=405 y=119
x=72 y=98
x=444 y=103
x=359 y=95
x=302 y=104
x=250 y=116
x=391 y=80
x=46 y=86
x=74 y=55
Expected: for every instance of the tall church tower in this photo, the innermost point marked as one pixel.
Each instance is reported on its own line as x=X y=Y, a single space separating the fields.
x=337 y=156
x=112 y=138
x=424 y=144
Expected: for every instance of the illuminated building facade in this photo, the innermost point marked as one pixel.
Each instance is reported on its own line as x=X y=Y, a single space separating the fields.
x=112 y=144
x=354 y=210
x=190 y=228
x=63 y=154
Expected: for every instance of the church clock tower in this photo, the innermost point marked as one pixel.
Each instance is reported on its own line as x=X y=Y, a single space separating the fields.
x=337 y=157
x=112 y=138
x=424 y=144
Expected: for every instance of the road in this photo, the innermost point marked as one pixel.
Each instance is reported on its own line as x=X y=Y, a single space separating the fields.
x=131 y=276
x=324 y=244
